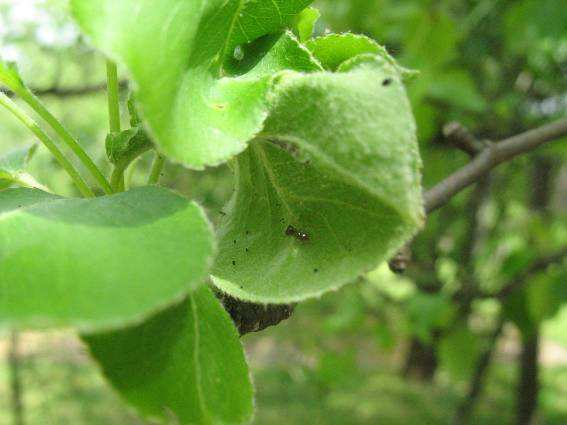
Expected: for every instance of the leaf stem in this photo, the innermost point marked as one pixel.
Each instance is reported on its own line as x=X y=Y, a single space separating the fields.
x=157 y=167
x=31 y=125
x=113 y=97
x=67 y=138
x=117 y=179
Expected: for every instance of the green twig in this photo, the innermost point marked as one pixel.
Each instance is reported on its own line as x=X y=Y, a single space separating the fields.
x=117 y=178
x=113 y=97
x=156 y=170
x=67 y=138
x=49 y=144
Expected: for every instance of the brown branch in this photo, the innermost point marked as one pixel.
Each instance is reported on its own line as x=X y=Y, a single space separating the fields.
x=459 y=136
x=490 y=157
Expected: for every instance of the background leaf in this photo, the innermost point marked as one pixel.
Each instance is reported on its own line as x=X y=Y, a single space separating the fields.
x=97 y=263
x=185 y=363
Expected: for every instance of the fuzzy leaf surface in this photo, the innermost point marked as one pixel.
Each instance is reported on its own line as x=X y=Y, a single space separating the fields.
x=338 y=161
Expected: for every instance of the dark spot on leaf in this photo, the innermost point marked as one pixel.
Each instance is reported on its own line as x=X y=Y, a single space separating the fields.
x=315 y=270
x=234 y=241
x=234 y=262
x=246 y=249
x=387 y=82
x=222 y=213
x=248 y=232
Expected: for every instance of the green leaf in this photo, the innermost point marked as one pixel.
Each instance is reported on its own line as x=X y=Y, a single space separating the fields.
x=458 y=89
x=305 y=23
x=332 y=50
x=459 y=351
x=196 y=114
x=538 y=300
x=429 y=312
x=338 y=161
x=10 y=77
x=14 y=164
x=270 y=54
x=184 y=364
x=97 y=263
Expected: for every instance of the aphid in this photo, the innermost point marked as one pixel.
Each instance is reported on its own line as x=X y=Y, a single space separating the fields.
x=315 y=270
x=300 y=235
x=234 y=241
x=238 y=53
x=290 y=231
x=222 y=213
x=234 y=262
x=387 y=82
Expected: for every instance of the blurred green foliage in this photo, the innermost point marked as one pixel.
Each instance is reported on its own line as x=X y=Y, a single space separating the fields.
x=498 y=67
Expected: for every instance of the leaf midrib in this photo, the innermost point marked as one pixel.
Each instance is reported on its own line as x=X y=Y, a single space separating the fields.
x=335 y=167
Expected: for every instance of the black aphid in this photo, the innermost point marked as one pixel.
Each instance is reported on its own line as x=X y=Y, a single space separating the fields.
x=234 y=262
x=298 y=234
x=234 y=241
x=290 y=231
x=315 y=270
x=387 y=82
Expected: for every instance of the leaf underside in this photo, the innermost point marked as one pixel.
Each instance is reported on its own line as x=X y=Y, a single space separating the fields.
x=338 y=162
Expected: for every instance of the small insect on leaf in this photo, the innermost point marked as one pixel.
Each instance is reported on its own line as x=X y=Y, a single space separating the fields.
x=298 y=234
x=290 y=231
